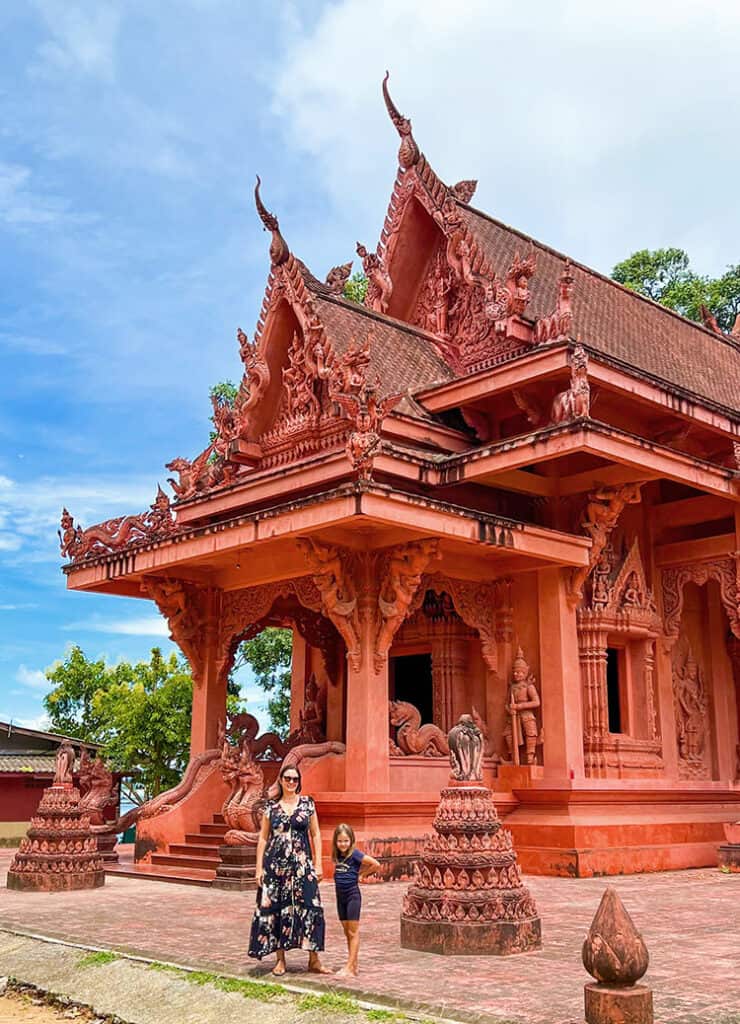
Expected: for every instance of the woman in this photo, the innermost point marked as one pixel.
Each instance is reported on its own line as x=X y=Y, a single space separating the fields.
x=289 y=913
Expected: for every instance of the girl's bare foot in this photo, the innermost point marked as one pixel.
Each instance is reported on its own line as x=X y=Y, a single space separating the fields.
x=347 y=972
x=315 y=966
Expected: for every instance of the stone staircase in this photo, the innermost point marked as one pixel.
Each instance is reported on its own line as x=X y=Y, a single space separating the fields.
x=192 y=862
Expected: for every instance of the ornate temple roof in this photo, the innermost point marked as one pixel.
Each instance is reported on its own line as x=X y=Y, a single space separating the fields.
x=622 y=324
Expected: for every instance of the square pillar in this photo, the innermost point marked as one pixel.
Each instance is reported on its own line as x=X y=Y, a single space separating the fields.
x=560 y=671
x=209 y=697
x=367 y=760
x=298 y=675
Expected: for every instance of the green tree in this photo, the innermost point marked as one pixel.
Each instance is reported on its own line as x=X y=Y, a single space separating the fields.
x=356 y=288
x=140 y=713
x=269 y=656
x=665 y=275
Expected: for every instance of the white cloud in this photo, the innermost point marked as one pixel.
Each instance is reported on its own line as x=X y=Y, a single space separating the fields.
x=40 y=722
x=33 y=678
x=145 y=625
x=595 y=128
x=22 y=206
x=83 y=37
x=30 y=511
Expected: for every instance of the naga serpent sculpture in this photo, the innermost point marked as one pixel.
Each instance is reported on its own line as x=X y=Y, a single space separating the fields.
x=413 y=737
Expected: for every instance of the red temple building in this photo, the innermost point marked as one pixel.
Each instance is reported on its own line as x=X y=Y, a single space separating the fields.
x=504 y=485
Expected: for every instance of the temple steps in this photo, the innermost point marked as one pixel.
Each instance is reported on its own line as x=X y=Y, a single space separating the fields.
x=189 y=849
x=185 y=860
x=204 y=839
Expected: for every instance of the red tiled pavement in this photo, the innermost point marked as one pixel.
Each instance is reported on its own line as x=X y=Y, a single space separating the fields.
x=690 y=921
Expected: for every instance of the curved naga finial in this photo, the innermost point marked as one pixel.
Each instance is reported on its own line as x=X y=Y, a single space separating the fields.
x=279 y=250
x=408 y=151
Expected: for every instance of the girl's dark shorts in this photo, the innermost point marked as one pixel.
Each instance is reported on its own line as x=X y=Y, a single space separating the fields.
x=349 y=904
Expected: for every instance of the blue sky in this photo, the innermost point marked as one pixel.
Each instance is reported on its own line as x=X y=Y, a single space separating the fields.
x=130 y=134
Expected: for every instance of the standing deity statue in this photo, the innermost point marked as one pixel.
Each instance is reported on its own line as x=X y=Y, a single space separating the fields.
x=466 y=750
x=522 y=700
x=65 y=762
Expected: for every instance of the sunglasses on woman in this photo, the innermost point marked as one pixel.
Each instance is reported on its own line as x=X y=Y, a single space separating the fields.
x=290 y=778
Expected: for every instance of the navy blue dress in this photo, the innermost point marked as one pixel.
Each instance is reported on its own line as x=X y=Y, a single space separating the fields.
x=288 y=913
x=346 y=882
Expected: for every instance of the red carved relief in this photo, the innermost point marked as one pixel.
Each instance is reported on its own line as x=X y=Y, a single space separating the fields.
x=485 y=607
x=77 y=544
x=254 y=384
x=691 y=705
x=723 y=570
x=517 y=282
x=522 y=701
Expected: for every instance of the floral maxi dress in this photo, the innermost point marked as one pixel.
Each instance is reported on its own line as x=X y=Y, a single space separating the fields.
x=288 y=913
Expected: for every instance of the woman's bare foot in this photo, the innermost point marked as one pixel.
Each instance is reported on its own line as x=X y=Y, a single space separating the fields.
x=347 y=972
x=280 y=967
x=315 y=966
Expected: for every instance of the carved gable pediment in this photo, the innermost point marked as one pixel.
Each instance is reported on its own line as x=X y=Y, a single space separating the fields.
x=620 y=595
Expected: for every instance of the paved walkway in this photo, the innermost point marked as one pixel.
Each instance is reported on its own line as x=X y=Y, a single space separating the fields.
x=690 y=921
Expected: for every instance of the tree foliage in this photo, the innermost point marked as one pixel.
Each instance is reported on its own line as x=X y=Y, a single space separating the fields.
x=665 y=275
x=269 y=656
x=140 y=713
x=355 y=288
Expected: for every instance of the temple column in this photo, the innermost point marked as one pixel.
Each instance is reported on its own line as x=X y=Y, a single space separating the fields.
x=666 y=707
x=367 y=759
x=722 y=712
x=210 y=678
x=562 y=717
x=298 y=674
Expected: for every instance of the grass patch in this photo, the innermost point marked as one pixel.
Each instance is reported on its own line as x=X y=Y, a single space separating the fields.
x=334 y=1002
x=167 y=967
x=381 y=1015
x=97 y=959
x=250 y=989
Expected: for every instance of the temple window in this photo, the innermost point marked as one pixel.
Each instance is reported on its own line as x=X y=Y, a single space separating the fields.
x=614 y=673
x=410 y=680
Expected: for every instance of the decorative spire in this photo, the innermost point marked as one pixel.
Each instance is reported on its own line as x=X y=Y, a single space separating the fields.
x=408 y=151
x=709 y=319
x=735 y=332
x=465 y=190
x=279 y=251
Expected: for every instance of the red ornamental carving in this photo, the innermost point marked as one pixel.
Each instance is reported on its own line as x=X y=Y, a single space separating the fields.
x=412 y=737
x=77 y=544
x=464 y=190
x=575 y=403
x=279 y=250
x=408 y=152
x=468 y=896
x=723 y=570
x=379 y=283
x=337 y=278
x=333 y=578
x=560 y=323
x=517 y=282
x=601 y=515
x=402 y=574
x=205 y=473
x=254 y=384
x=59 y=850
x=191 y=611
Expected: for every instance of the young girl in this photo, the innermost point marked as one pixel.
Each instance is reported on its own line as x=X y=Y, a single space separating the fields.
x=349 y=867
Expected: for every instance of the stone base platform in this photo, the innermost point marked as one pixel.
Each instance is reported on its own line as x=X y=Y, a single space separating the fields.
x=491 y=938
x=609 y=1004
x=237 y=868
x=32 y=881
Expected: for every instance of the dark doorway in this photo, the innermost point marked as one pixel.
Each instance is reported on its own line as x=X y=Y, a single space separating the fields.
x=411 y=680
x=612 y=689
